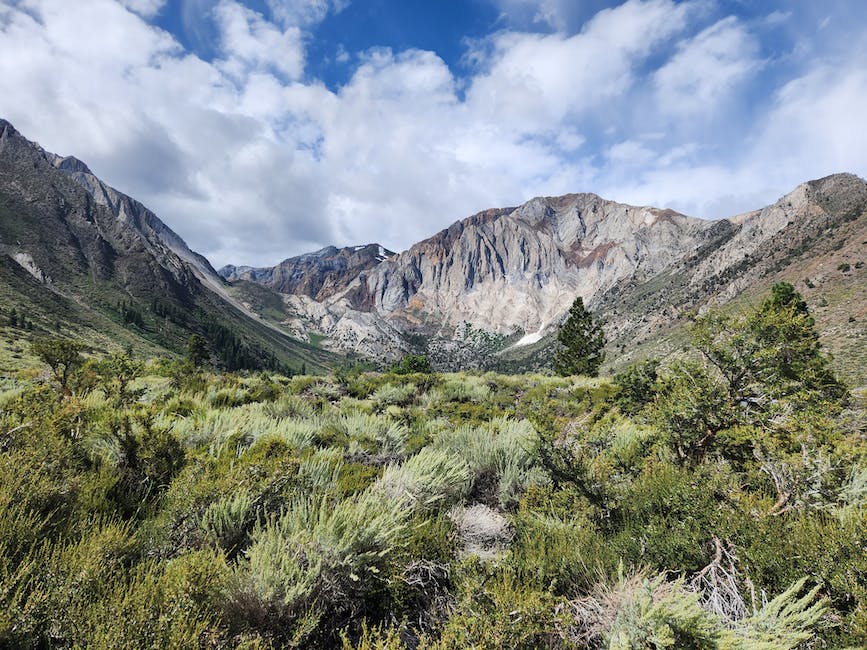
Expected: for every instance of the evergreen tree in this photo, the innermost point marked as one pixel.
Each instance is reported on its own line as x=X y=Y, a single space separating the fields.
x=581 y=343
x=765 y=381
x=197 y=350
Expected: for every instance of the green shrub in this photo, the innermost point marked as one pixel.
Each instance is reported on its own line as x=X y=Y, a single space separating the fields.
x=391 y=394
x=562 y=555
x=227 y=521
x=320 y=552
x=496 y=611
x=639 y=612
x=501 y=457
x=430 y=478
x=637 y=386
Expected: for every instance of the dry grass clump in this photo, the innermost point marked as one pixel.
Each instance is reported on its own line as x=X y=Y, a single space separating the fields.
x=483 y=532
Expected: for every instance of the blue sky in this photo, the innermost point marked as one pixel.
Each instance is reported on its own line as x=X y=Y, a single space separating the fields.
x=259 y=129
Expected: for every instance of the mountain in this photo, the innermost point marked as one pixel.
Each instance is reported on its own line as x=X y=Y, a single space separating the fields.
x=78 y=258
x=318 y=275
x=81 y=259
x=491 y=289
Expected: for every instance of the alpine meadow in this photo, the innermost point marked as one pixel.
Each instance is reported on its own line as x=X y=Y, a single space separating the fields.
x=353 y=422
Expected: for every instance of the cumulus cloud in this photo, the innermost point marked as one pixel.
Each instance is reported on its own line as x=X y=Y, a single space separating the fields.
x=146 y=8
x=304 y=13
x=251 y=160
x=557 y=14
x=249 y=42
x=533 y=80
x=707 y=69
x=816 y=125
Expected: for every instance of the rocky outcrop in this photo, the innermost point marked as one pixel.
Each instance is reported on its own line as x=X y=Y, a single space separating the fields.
x=318 y=275
x=114 y=267
x=156 y=236
x=512 y=273
x=520 y=269
x=504 y=271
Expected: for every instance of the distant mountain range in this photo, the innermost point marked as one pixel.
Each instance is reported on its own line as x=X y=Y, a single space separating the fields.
x=488 y=292
x=491 y=290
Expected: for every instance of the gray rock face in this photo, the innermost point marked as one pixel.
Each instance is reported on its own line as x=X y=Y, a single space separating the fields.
x=521 y=269
x=91 y=249
x=516 y=271
x=502 y=271
x=318 y=275
x=155 y=234
x=66 y=222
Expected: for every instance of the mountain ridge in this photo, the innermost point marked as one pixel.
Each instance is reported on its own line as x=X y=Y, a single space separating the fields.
x=510 y=274
x=121 y=271
x=486 y=291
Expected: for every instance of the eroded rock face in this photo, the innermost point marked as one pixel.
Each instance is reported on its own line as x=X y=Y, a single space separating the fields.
x=513 y=273
x=521 y=269
x=92 y=248
x=318 y=275
x=518 y=270
x=144 y=227
x=501 y=271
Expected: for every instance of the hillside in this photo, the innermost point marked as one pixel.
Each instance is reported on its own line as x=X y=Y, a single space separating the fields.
x=490 y=290
x=80 y=259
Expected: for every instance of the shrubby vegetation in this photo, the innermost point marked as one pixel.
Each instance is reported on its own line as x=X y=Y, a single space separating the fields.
x=717 y=500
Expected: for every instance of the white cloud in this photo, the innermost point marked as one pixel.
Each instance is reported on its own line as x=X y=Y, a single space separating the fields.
x=146 y=8
x=250 y=42
x=707 y=69
x=304 y=13
x=558 y=14
x=251 y=161
x=816 y=126
x=533 y=80
x=630 y=153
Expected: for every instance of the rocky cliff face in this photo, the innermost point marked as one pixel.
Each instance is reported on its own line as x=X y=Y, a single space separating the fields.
x=159 y=240
x=318 y=275
x=113 y=263
x=520 y=269
x=511 y=274
x=68 y=225
x=504 y=272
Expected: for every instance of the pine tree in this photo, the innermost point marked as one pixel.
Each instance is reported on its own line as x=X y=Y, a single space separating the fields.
x=197 y=350
x=581 y=343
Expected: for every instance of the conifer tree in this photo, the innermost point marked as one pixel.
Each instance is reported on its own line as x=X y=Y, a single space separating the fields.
x=197 y=350
x=581 y=343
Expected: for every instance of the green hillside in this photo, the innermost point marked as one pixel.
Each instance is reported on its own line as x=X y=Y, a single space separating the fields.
x=71 y=267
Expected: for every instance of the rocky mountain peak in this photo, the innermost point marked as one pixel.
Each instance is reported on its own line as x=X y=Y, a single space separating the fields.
x=71 y=165
x=318 y=275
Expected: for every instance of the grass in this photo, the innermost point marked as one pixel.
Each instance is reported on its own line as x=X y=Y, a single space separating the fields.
x=316 y=339
x=433 y=511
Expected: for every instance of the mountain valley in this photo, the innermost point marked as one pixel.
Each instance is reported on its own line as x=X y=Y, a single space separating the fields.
x=488 y=292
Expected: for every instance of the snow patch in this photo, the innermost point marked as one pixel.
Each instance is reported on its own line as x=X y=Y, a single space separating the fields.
x=529 y=339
